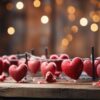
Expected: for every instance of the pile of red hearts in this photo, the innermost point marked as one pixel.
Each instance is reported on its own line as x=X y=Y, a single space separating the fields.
x=50 y=69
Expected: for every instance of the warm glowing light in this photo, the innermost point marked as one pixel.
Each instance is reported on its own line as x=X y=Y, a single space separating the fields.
x=69 y=37
x=37 y=3
x=59 y=2
x=96 y=18
x=65 y=42
x=11 y=30
x=47 y=9
x=19 y=5
x=71 y=17
x=71 y=10
x=94 y=27
x=74 y=28
x=9 y=6
x=44 y=19
x=83 y=21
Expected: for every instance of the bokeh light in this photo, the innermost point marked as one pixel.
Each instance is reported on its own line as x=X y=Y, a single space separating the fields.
x=71 y=10
x=71 y=17
x=48 y=9
x=69 y=37
x=96 y=18
x=83 y=21
x=59 y=2
x=44 y=19
x=74 y=28
x=19 y=5
x=94 y=27
x=65 y=42
x=36 y=3
x=11 y=30
x=9 y=6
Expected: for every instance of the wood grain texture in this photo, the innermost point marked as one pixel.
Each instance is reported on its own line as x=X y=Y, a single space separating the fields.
x=60 y=89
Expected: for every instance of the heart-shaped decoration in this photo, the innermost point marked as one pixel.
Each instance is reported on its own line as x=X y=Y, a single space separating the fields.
x=58 y=60
x=1 y=66
x=6 y=65
x=98 y=70
x=45 y=67
x=34 y=66
x=18 y=72
x=73 y=68
x=88 y=67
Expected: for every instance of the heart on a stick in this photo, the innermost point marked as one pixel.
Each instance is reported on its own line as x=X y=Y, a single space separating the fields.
x=73 y=68
x=18 y=72
x=45 y=67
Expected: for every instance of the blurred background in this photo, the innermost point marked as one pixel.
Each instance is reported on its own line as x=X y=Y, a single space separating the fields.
x=64 y=26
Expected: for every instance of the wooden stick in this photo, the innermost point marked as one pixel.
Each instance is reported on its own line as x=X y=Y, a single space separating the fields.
x=46 y=52
x=18 y=54
x=33 y=51
x=26 y=62
x=93 y=66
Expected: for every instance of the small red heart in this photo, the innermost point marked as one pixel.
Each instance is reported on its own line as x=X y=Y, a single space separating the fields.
x=45 y=67
x=64 y=56
x=50 y=77
x=53 y=56
x=34 y=66
x=18 y=72
x=88 y=67
x=73 y=68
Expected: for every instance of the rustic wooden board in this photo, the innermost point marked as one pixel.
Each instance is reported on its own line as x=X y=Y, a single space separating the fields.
x=59 y=89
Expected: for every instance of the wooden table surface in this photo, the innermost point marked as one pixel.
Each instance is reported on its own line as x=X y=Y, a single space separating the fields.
x=60 y=89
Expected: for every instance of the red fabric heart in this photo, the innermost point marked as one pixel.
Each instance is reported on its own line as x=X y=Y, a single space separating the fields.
x=45 y=67
x=34 y=66
x=73 y=68
x=18 y=72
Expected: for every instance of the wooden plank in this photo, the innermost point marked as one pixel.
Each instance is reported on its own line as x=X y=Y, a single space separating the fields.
x=59 y=89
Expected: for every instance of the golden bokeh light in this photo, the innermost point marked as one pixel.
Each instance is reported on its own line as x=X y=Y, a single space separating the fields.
x=19 y=5
x=47 y=9
x=71 y=17
x=71 y=10
x=11 y=30
x=36 y=3
x=74 y=28
x=69 y=37
x=83 y=21
x=59 y=2
x=64 y=42
x=44 y=19
x=9 y=6
x=96 y=18
x=94 y=27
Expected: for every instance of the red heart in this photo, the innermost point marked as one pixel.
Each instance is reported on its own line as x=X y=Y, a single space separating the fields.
x=18 y=72
x=88 y=67
x=34 y=65
x=50 y=77
x=1 y=66
x=98 y=70
x=73 y=68
x=45 y=67
x=6 y=65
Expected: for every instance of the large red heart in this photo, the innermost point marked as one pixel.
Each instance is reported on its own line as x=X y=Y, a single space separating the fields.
x=73 y=68
x=45 y=67
x=88 y=67
x=34 y=66
x=18 y=72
